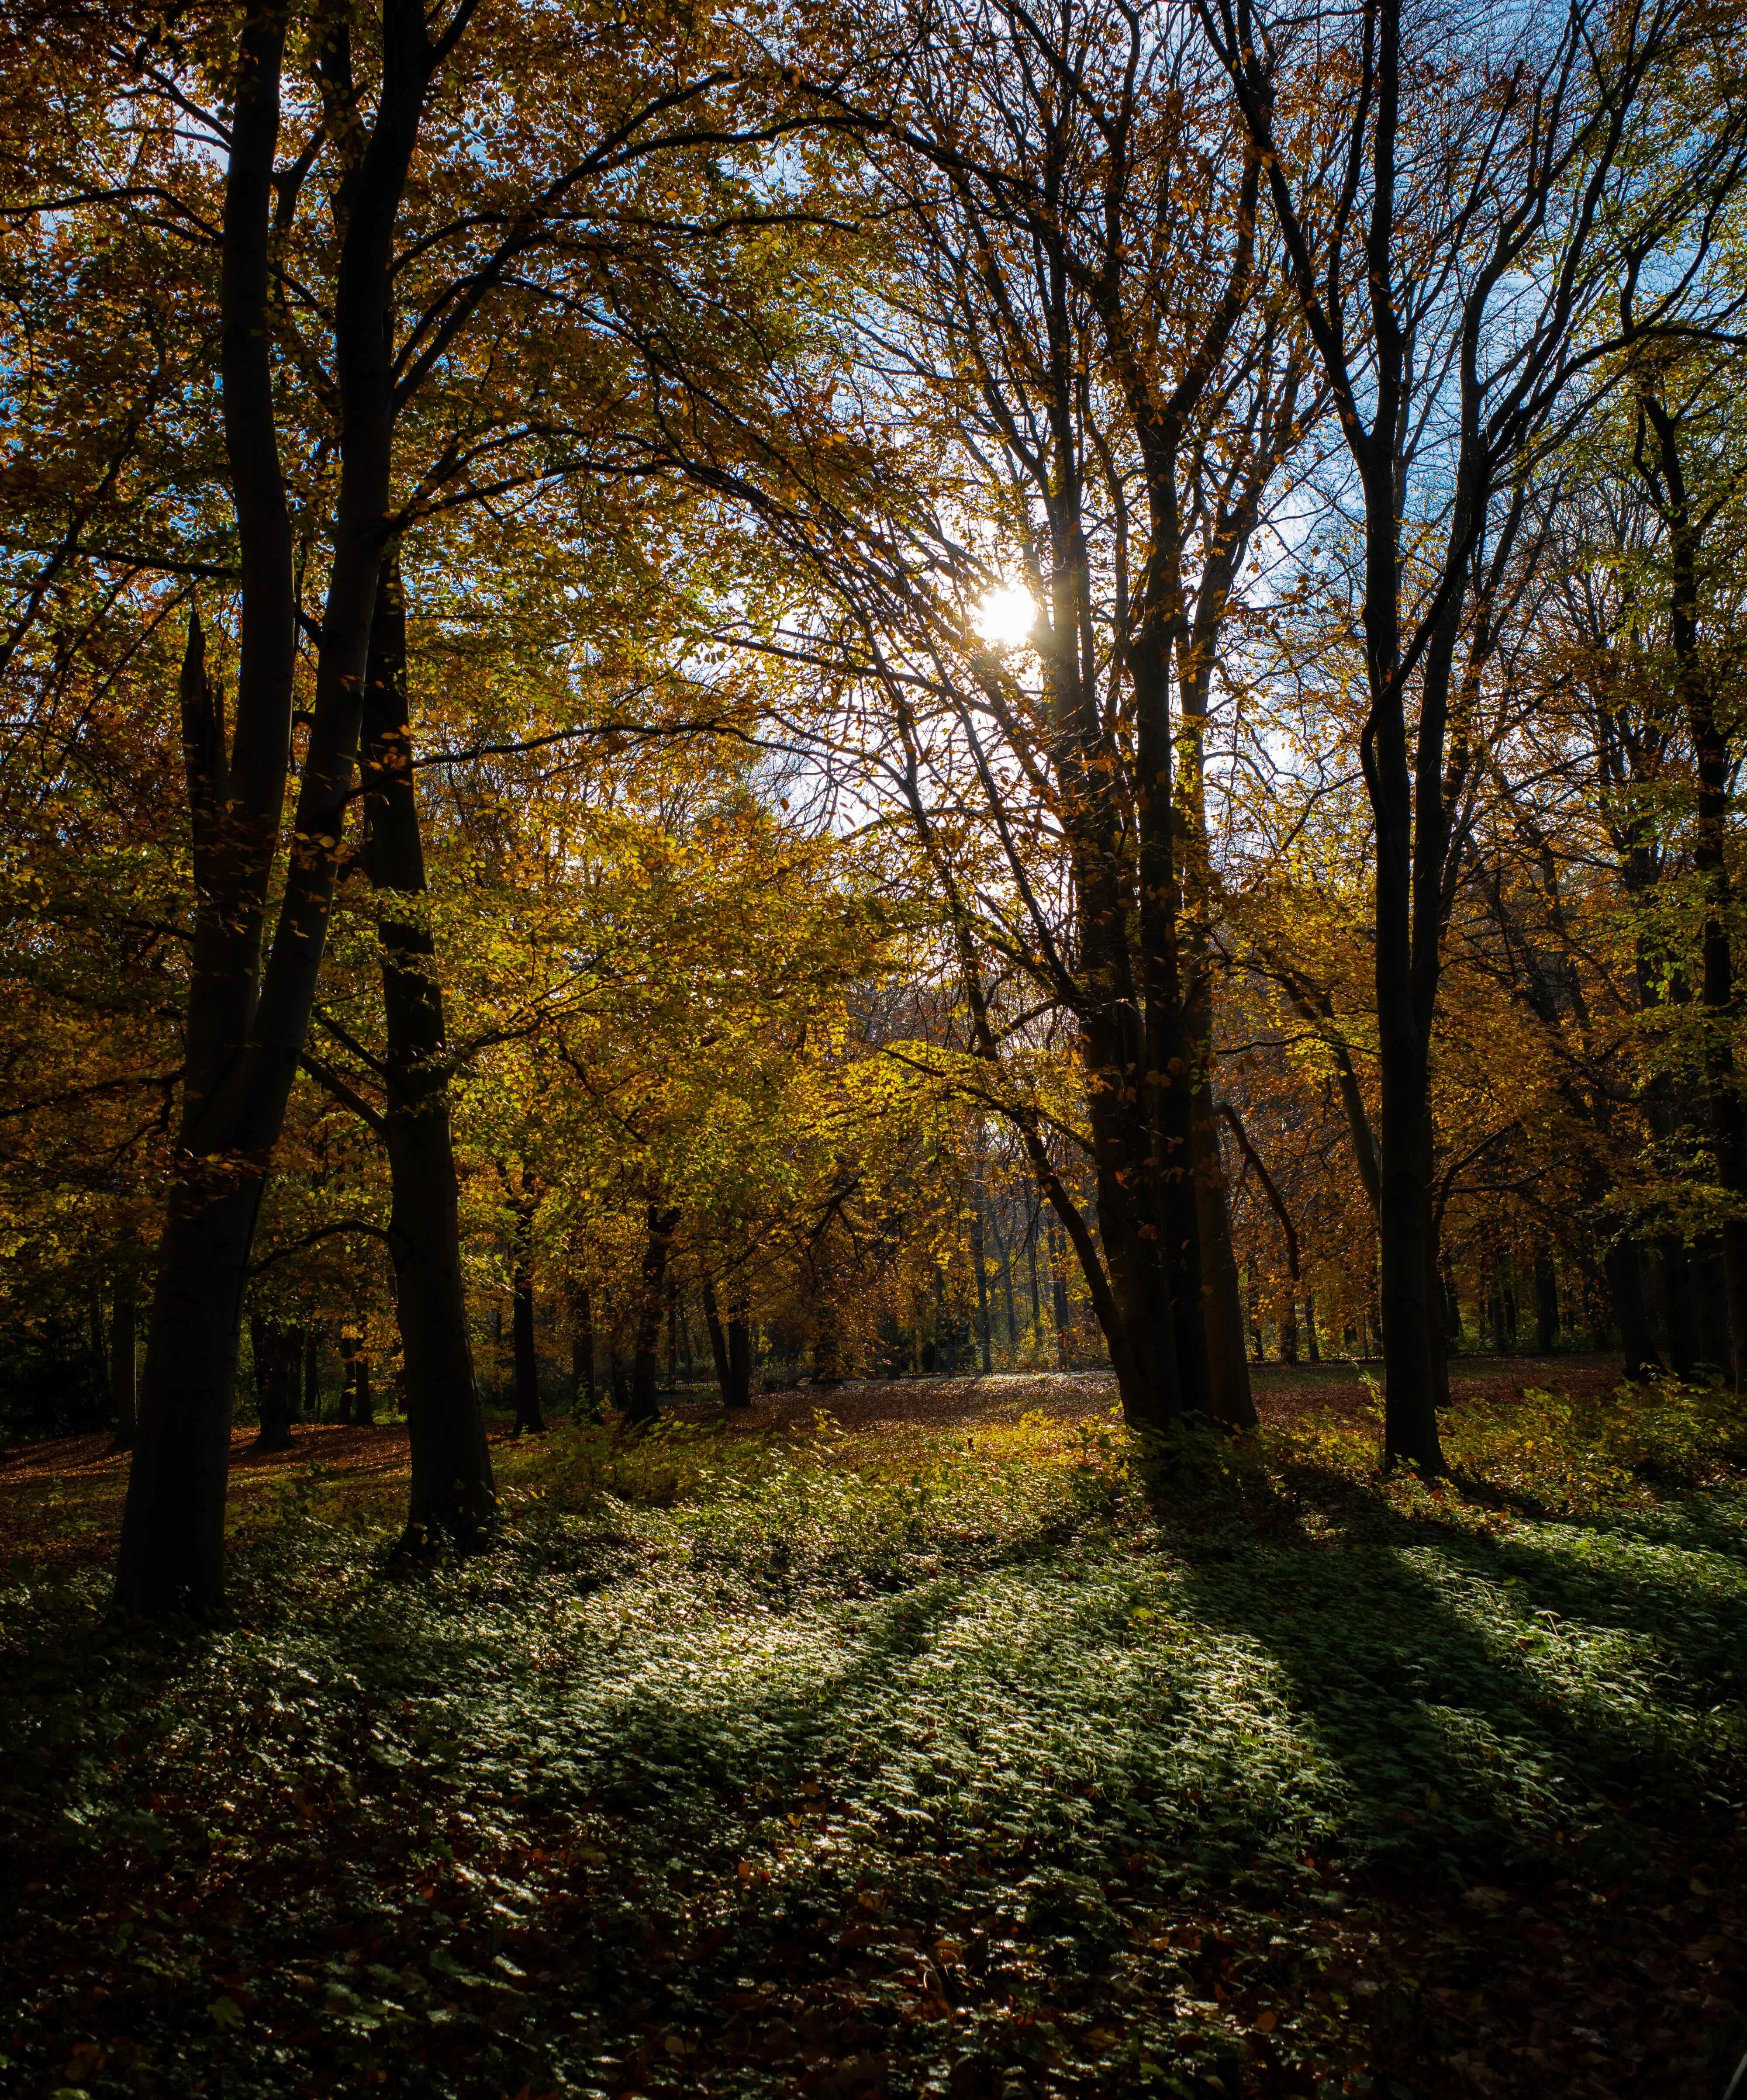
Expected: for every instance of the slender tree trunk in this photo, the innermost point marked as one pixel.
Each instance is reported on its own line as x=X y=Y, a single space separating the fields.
x=1006 y=1290
x=1625 y=1280
x=363 y=1411
x=528 y=1415
x=273 y=1380
x=312 y=1377
x=348 y=1374
x=123 y=1359
x=718 y=1343
x=1545 y=1306
x=1310 y=1333
x=1031 y=1263
x=663 y=1220
x=977 y=1263
x=1058 y=1307
x=584 y=1403
x=452 y=1494
x=740 y=1355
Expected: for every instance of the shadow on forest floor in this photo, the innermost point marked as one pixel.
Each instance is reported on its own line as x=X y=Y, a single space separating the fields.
x=876 y=1756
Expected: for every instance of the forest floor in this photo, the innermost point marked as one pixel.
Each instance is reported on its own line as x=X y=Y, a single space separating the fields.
x=942 y=1743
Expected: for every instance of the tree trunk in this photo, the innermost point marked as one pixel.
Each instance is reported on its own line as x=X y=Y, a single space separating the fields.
x=243 y=1050
x=172 y=1546
x=740 y=1355
x=1058 y=1307
x=452 y=1494
x=312 y=1377
x=662 y=1221
x=274 y=1372
x=1625 y=1280
x=1228 y=1367
x=1310 y=1333
x=718 y=1344
x=364 y=1416
x=123 y=1354
x=1545 y=1306
x=348 y=1374
x=528 y=1415
x=1031 y=1263
x=583 y=1404
x=977 y=1263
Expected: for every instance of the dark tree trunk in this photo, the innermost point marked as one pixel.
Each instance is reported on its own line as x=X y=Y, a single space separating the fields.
x=1228 y=1367
x=364 y=1416
x=1310 y=1333
x=718 y=1343
x=1006 y=1291
x=1058 y=1306
x=1625 y=1280
x=528 y=1415
x=348 y=1374
x=312 y=1378
x=663 y=1220
x=123 y=1359
x=740 y=1355
x=274 y=1370
x=1545 y=1306
x=584 y=1403
x=243 y=1050
x=452 y=1494
x=1031 y=1263
x=984 y=1350
x=1710 y=858
x=171 y=1547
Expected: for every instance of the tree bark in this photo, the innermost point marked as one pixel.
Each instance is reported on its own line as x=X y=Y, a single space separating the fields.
x=528 y=1415
x=452 y=1494
x=663 y=1220
x=583 y=1402
x=984 y=1348
x=718 y=1343
x=244 y=1049
x=740 y=1355
x=1545 y=1306
x=1625 y=1280
x=123 y=1359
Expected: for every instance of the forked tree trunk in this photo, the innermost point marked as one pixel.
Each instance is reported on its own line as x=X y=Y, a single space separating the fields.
x=242 y=1050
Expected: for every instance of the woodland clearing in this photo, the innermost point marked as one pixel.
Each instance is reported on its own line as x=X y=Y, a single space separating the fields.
x=943 y=1747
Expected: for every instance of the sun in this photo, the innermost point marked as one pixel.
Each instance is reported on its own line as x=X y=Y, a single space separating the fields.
x=1007 y=616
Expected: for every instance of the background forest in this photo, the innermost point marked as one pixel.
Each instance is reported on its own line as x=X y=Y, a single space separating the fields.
x=698 y=701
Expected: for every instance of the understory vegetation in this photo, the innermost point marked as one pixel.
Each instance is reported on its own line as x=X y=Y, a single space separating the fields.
x=1007 y=1758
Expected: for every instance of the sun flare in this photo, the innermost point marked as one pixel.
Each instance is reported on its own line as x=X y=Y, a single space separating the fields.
x=1007 y=616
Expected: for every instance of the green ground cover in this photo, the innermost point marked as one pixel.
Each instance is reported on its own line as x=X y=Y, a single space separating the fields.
x=1000 y=1762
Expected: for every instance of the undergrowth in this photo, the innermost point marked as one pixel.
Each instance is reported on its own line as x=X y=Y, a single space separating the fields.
x=1022 y=1760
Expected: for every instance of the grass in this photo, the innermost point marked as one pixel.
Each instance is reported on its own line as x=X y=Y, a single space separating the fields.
x=1005 y=1762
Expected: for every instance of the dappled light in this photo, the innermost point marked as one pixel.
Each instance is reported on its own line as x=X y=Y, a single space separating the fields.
x=872 y=1095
